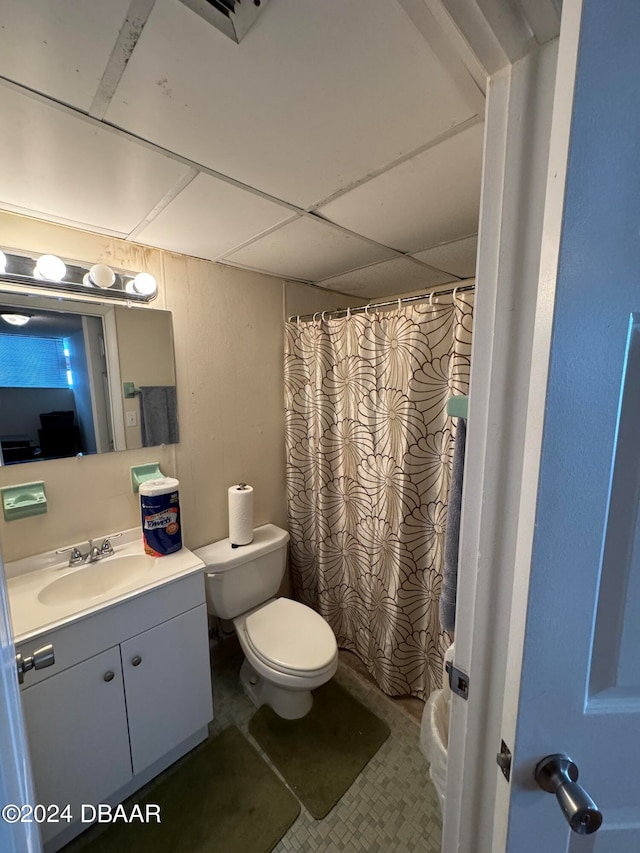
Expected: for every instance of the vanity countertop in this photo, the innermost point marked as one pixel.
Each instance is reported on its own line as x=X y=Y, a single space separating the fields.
x=45 y=593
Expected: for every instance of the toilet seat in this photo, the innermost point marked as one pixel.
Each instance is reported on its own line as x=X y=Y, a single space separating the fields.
x=291 y=638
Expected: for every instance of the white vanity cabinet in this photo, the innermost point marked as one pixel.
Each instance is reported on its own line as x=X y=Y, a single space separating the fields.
x=167 y=684
x=129 y=693
x=77 y=729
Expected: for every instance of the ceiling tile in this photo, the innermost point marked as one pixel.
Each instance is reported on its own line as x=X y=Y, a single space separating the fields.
x=59 y=48
x=430 y=199
x=210 y=217
x=307 y=249
x=54 y=164
x=299 y=116
x=458 y=257
x=386 y=279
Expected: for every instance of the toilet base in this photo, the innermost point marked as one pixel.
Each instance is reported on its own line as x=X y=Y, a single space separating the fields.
x=288 y=704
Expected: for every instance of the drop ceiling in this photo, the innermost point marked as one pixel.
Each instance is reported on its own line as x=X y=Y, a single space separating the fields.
x=339 y=143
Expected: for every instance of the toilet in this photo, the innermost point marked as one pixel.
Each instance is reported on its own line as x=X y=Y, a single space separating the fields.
x=289 y=650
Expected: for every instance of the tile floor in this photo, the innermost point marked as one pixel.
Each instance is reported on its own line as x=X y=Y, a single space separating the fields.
x=411 y=705
x=390 y=808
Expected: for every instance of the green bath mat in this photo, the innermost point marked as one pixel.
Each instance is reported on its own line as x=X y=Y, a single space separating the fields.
x=321 y=755
x=223 y=799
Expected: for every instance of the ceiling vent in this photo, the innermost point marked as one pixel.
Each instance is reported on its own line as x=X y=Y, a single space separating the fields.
x=234 y=18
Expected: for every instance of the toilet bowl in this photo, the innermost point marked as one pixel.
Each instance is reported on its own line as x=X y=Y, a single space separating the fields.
x=289 y=649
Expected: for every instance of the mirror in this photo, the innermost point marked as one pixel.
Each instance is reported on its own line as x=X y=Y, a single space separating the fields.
x=81 y=378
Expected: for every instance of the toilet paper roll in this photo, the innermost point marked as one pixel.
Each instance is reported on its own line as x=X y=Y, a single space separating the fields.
x=241 y=514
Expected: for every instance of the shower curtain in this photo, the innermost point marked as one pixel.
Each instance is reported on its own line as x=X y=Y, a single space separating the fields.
x=369 y=449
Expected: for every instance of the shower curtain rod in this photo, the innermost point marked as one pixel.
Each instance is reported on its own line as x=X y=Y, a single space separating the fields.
x=336 y=311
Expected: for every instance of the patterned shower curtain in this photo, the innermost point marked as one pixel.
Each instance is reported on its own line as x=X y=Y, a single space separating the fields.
x=369 y=449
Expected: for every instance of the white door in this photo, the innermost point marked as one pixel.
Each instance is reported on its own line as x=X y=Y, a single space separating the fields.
x=580 y=676
x=16 y=787
x=167 y=682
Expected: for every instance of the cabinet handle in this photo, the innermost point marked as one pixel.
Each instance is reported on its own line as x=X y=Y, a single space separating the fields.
x=136 y=661
x=109 y=676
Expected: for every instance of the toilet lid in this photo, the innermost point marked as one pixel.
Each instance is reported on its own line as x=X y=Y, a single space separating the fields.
x=291 y=635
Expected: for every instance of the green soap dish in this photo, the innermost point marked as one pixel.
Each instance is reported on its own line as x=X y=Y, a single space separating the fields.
x=23 y=501
x=458 y=406
x=141 y=473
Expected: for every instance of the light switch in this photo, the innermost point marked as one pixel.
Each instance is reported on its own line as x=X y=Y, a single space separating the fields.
x=132 y=419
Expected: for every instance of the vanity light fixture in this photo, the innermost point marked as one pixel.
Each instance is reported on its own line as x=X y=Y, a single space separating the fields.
x=50 y=267
x=15 y=319
x=96 y=281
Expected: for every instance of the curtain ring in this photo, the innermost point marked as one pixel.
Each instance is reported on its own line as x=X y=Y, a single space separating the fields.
x=431 y=305
x=298 y=320
x=322 y=320
x=313 y=319
x=453 y=295
x=399 y=304
x=366 y=309
x=348 y=313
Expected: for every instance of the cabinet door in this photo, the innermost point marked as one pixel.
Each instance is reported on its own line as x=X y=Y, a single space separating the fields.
x=77 y=733
x=167 y=683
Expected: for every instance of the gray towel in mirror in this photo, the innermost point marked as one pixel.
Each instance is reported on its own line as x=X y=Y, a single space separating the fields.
x=158 y=415
x=449 y=589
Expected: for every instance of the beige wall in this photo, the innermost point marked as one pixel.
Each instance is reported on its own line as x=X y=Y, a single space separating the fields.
x=228 y=347
x=435 y=289
x=228 y=336
x=307 y=299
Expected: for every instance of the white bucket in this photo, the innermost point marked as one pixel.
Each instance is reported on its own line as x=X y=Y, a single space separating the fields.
x=434 y=733
x=434 y=737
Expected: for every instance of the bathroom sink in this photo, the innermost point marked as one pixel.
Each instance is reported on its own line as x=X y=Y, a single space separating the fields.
x=95 y=580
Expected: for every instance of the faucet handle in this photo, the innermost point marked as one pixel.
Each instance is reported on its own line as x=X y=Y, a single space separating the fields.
x=106 y=548
x=76 y=557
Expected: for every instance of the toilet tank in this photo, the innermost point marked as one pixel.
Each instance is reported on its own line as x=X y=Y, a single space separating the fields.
x=239 y=579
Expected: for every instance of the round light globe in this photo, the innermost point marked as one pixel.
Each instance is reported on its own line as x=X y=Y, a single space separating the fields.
x=16 y=319
x=50 y=267
x=144 y=284
x=102 y=276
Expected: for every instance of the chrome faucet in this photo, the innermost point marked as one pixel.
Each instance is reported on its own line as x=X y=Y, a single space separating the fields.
x=94 y=552
x=103 y=550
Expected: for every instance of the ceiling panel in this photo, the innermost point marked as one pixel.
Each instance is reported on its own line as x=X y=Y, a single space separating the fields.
x=297 y=116
x=57 y=165
x=210 y=217
x=307 y=249
x=430 y=199
x=59 y=48
x=458 y=257
x=386 y=279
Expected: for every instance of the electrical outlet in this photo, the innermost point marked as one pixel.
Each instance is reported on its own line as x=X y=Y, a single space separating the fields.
x=132 y=419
